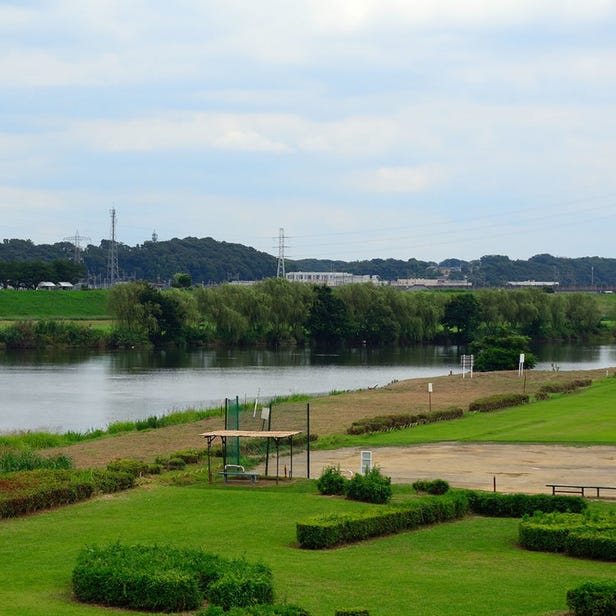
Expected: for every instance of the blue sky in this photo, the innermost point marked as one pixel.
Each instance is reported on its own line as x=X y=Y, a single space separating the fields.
x=363 y=128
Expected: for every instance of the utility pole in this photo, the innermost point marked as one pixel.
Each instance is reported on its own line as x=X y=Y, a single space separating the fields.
x=113 y=273
x=76 y=240
x=280 y=273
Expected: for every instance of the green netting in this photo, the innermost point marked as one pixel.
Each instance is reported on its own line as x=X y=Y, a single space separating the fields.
x=232 y=422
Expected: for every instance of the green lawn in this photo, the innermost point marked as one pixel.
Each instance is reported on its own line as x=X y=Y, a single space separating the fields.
x=73 y=305
x=583 y=418
x=470 y=568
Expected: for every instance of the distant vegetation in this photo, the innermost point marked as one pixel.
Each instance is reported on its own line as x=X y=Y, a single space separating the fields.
x=275 y=312
x=208 y=261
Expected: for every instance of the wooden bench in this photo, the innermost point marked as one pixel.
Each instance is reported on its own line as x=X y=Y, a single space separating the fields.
x=237 y=470
x=563 y=488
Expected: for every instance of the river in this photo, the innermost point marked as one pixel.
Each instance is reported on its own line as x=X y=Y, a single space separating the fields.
x=78 y=390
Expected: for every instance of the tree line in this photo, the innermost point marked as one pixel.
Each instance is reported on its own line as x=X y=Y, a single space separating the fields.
x=276 y=311
x=28 y=274
x=209 y=261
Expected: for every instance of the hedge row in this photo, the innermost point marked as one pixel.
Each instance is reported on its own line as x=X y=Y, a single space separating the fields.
x=499 y=401
x=572 y=533
x=434 y=486
x=385 y=423
x=565 y=386
x=497 y=505
x=256 y=610
x=322 y=532
x=593 y=599
x=134 y=467
x=167 y=579
x=29 y=491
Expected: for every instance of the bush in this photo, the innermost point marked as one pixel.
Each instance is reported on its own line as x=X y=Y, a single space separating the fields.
x=435 y=487
x=492 y=504
x=383 y=423
x=322 y=532
x=167 y=579
x=370 y=488
x=134 y=467
x=353 y=612
x=331 y=482
x=593 y=599
x=499 y=401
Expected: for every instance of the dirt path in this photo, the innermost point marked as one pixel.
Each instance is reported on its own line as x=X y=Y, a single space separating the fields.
x=516 y=468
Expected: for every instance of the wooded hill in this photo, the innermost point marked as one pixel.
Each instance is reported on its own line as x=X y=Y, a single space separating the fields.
x=209 y=261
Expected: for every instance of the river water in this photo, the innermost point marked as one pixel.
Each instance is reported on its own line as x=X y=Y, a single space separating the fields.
x=79 y=390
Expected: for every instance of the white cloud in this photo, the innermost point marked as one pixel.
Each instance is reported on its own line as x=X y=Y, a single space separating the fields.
x=400 y=179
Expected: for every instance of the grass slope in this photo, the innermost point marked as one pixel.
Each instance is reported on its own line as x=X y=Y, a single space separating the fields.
x=587 y=417
x=73 y=305
x=470 y=568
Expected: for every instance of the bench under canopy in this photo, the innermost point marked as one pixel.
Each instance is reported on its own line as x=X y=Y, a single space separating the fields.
x=276 y=435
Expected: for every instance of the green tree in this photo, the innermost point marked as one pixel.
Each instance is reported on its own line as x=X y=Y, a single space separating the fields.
x=328 y=322
x=501 y=351
x=462 y=315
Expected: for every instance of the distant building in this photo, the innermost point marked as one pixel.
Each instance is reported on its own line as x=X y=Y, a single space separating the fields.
x=524 y=284
x=330 y=279
x=431 y=283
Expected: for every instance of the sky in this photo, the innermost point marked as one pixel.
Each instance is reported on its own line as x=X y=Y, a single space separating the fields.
x=338 y=129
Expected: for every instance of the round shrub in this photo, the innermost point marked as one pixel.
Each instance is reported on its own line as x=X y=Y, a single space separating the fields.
x=436 y=486
x=372 y=487
x=331 y=482
x=593 y=599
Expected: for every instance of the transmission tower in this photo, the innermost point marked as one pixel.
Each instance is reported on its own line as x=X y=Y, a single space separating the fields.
x=280 y=273
x=113 y=274
x=76 y=240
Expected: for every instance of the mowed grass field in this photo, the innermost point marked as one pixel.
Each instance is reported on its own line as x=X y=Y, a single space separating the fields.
x=469 y=568
x=67 y=305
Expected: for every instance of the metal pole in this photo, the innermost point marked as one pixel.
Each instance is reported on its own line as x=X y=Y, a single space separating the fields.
x=308 y=440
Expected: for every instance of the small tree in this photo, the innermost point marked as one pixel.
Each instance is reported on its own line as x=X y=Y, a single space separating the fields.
x=181 y=281
x=501 y=351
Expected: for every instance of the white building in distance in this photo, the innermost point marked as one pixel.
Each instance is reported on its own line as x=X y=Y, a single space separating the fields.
x=330 y=279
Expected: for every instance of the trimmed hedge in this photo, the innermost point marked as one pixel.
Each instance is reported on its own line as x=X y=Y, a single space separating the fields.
x=256 y=610
x=497 y=505
x=167 y=579
x=600 y=545
x=564 y=387
x=134 y=467
x=386 y=423
x=499 y=401
x=322 y=532
x=593 y=599
x=572 y=533
x=29 y=491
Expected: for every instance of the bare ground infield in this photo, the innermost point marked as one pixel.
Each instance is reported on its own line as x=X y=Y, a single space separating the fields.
x=514 y=467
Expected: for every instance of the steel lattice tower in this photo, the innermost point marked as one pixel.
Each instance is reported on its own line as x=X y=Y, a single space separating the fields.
x=76 y=241
x=280 y=273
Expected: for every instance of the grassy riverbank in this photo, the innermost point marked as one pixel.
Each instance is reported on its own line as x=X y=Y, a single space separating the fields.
x=473 y=567
x=89 y=306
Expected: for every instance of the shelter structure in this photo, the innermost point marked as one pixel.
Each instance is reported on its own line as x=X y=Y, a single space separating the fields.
x=276 y=435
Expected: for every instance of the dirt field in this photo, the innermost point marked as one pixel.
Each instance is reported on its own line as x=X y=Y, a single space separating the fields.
x=516 y=467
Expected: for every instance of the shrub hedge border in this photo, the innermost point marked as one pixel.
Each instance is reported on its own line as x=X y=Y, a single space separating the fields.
x=593 y=599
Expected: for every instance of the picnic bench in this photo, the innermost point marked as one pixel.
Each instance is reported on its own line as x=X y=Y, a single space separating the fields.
x=564 y=488
x=238 y=471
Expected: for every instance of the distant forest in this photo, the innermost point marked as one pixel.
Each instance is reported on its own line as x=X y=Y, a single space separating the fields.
x=209 y=261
